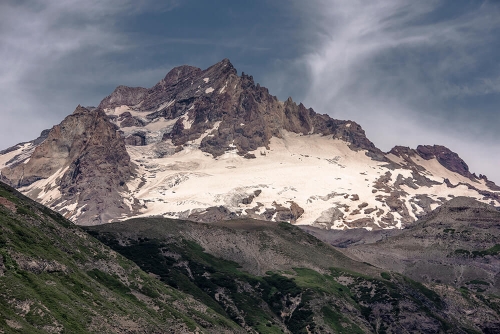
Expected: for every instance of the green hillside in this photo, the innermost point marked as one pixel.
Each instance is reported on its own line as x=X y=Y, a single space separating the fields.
x=55 y=278
x=273 y=278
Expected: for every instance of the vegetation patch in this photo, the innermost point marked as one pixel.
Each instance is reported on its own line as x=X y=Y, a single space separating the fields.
x=386 y=276
x=338 y=322
x=495 y=250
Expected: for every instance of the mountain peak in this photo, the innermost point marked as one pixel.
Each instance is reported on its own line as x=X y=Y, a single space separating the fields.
x=223 y=63
x=401 y=151
x=80 y=110
x=123 y=95
x=446 y=157
x=180 y=72
x=220 y=69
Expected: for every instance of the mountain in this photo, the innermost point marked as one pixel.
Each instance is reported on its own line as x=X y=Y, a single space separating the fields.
x=272 y=277
x=209 y=145
x=55 y=278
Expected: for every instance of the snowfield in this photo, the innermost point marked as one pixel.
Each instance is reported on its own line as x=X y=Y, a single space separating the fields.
x=316 y=172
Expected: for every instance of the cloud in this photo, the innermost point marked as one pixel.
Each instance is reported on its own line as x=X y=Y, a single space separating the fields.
x=410 y=72
x=56 y=54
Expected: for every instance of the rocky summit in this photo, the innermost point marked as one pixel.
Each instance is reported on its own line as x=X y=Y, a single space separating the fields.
x=208 y=145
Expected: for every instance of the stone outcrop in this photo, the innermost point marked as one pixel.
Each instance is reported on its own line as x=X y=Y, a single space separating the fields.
x=446 y=157
x=123 y=95
x=88 y=156
x=449 y=159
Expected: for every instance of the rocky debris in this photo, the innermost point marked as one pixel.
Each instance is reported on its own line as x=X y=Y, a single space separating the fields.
x=136 y=139
x=249 y=156
x=328 y=218
x=422 y=181
x=281 y=213
x=382 y=182
x=370 y=210
x=250 y=198
x=296 y=211
x=252 y=212
x=278 y=212
x=425 y=202
x=127 y=120
x=363 y=205
x=407 y=181
x=363 y=223
x=488 y=195
x=38 y=266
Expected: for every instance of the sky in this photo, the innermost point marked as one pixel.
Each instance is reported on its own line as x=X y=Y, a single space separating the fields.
x=409 y=72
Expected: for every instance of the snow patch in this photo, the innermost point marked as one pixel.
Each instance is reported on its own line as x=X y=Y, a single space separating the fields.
x=187 y=123
x=165 y=105
x=395 y=159
x=223 y=89
x=49 y=188
x=22 y=153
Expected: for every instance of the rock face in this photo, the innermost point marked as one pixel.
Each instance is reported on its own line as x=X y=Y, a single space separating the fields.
x=203 y=142
x=86 y=160
x=124 y=95
x=450 y=160
x=247 y=116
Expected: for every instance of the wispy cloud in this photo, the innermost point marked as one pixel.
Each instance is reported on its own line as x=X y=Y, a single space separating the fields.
x=409 y=72
x=52 y=51
x=398 y=68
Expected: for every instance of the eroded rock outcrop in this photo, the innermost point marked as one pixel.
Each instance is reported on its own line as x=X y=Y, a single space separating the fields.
x=87 y=160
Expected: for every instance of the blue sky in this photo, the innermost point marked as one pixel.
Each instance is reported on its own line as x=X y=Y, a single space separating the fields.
x=410 y=72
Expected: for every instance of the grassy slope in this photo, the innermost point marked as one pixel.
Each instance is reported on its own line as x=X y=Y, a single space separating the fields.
x=308 y=286
x=56 y=278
